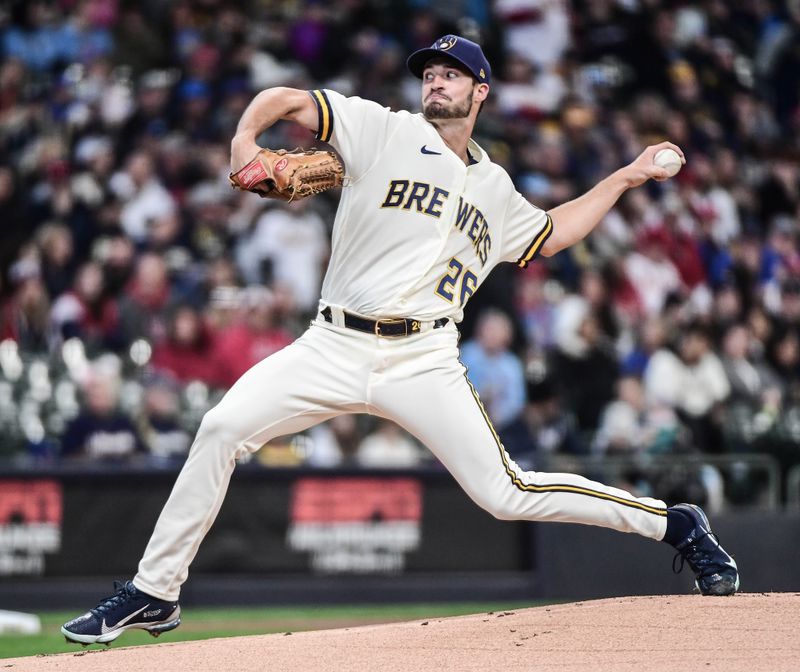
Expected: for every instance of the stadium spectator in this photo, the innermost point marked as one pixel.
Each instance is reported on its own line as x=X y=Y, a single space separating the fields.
x=334 y=443
x=526 y=92
x=220 y=289
x=550 y=423
x=650 y=337
x=13 y=212
x=629 y=425
x=25 y=314
x=150 y=117
x=252 y=338
x=288 y=246
x=147 y=298
x=596 y=291
x=498 y=376
x=101 y=431
x=117 y=255
x=159 y=421
x=388 y=446
x=691 y=381
x=87 y=312
x=651 y=271
x=146 y=203
x=536 y=311
x=189 y=351
x=85 y=33
x=583 y=363
x=35 y=37
x=538 y=30
x=753 y=384
x=681 y=237
x=783 y=354
x=57 y=260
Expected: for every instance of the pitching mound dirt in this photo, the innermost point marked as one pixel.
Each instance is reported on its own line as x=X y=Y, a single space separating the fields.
x=748 y=632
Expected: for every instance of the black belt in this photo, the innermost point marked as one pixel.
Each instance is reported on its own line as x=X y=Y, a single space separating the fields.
x=391 y=327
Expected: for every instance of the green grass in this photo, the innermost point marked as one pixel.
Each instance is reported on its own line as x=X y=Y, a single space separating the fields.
x=208 y=623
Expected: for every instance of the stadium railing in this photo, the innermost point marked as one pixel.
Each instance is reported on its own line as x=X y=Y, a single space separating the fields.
x=762 y=472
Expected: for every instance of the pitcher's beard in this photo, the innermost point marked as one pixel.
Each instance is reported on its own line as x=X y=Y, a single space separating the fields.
x=435 y=110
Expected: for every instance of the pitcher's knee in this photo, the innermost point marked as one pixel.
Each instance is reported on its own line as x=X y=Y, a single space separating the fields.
x=502 y=508
x=217 y=430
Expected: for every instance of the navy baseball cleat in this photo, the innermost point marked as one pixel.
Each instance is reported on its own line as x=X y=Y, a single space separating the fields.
x=715 y=571
x=127 y=608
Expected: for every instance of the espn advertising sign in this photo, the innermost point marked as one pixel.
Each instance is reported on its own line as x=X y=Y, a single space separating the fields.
x=30 y=525
x=273 y=521
x=355 y=525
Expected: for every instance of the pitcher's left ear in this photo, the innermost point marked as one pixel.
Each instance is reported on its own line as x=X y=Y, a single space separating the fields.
x=482 y=92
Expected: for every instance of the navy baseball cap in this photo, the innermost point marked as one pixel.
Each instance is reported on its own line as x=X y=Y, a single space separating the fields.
x=460 y=49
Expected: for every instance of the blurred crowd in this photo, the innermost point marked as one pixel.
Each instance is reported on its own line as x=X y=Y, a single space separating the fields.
x=137 y=285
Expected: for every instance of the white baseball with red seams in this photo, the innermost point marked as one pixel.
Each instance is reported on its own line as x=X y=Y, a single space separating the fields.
x=670 y=160
x=416 y=233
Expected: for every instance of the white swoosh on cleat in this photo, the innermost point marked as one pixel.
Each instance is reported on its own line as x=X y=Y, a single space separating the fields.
x=106 y=629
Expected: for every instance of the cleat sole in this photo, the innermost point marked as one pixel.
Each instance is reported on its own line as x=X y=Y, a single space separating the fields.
x=155 y=629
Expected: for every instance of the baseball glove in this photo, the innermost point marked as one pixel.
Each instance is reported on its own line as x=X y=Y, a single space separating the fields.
x=287 y=176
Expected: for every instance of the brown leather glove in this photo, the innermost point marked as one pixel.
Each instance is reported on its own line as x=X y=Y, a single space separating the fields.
x=287 y=176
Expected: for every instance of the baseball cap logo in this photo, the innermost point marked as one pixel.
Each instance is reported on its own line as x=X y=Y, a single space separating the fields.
x=447 y=42
x=460 y=49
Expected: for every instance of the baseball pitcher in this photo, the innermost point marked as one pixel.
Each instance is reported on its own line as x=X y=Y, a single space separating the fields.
x=424 y=217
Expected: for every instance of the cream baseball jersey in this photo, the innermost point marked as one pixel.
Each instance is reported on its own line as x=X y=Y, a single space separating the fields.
x=417 y=231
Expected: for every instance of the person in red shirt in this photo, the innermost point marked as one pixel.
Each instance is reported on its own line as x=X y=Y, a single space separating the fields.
x=250 y=339
x=188 y=352
x=145 y=303
x=87 y=312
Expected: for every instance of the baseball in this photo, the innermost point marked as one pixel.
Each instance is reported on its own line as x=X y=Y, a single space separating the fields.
x=669 y=159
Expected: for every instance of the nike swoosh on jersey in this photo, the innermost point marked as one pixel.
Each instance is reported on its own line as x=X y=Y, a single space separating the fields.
x=425 y=150
x=104 y=628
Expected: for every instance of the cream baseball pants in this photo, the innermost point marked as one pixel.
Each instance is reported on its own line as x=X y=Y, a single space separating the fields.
x=416 y=381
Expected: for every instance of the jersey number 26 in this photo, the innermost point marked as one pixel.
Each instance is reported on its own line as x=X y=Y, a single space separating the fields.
x=457 y=274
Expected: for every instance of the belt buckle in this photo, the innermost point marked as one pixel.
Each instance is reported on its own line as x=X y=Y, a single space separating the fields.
x=391 y=320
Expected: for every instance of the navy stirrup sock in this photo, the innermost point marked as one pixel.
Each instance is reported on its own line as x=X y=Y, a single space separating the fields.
x=679 y=526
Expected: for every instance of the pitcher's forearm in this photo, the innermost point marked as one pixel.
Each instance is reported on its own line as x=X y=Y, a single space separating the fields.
x=263 y=111
x=266 y=109
x=575 y=219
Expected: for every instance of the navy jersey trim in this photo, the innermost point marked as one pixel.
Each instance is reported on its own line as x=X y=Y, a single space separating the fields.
x=324 y=115
x=536 y=244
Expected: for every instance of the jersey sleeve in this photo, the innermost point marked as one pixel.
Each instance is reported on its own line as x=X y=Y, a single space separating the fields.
x=358 y=129
x=525 y=230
